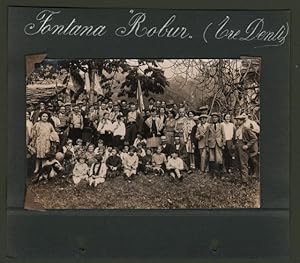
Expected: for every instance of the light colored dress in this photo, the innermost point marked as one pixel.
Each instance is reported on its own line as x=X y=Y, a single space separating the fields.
x=179 y=126
x=187 y=129
x=169 y=130
x=80 y=172
x=41 y=138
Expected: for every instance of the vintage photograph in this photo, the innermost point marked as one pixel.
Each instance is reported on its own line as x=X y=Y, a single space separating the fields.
x=143 y=133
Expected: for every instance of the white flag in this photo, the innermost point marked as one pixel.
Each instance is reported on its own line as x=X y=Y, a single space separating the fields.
x=97 y=86
x=139 y=97
x=87 y=83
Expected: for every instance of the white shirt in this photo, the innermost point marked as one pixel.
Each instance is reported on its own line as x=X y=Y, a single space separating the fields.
x=228 y=130
x=175 y=164
x=104 y=126
x=118 y=129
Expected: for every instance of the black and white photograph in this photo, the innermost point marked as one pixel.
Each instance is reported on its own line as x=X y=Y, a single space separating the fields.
x=143 y=133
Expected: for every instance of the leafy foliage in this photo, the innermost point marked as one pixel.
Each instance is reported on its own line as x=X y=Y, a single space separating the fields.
x=152 y=77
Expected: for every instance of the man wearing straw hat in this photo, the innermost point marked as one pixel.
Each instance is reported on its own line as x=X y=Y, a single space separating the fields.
x=247 y=147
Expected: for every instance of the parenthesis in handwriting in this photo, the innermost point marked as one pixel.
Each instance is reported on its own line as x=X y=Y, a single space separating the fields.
x=204 y=32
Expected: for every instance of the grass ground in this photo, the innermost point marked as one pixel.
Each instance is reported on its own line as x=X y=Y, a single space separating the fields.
x=147 y=191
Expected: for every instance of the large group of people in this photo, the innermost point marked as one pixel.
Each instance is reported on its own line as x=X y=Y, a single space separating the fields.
x=97 y=142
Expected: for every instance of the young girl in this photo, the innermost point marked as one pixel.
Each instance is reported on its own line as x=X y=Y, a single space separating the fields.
x=90 y=155
x=68 y=164
x=69 y=147
x=140 y=150
x=159 y=161
x=187 y=130
x=175 y=166
x=100 y=147
x=80 y=170
x=79 y=149
x=114 y=164
x=107 y=153
x=146 y=162
x=124 y=152
x=130 y=163
x=97 y=172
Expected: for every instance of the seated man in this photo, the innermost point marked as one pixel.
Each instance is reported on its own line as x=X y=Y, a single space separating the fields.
x=166 y=147
x=174 y=166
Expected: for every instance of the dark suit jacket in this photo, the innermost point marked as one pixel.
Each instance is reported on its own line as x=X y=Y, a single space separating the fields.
x=250 y=139
x=193 y=136
x=182 y=153
x=168 y=149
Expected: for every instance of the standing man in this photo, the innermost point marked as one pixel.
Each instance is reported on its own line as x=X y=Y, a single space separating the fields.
x=102 y=111
x=200 y=135
x=247 y=148
x=63 y=126
x=229 y=130
x=195 y=141
x=133 y=123
x=76 y=124
x=215 y=141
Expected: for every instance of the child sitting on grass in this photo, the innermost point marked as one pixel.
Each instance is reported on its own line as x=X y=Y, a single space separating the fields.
x=69 y=147
x=146 y=162
x=130 y=163
x=97 y=172
x=124 y=152
x=81 y=169
x=175 y=165
x=79 y=149
x=159 y=161
x=114 y=164
x=90 y=154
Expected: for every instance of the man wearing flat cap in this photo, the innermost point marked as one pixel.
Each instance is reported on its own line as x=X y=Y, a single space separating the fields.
x=215 y=141
x=247 y=147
